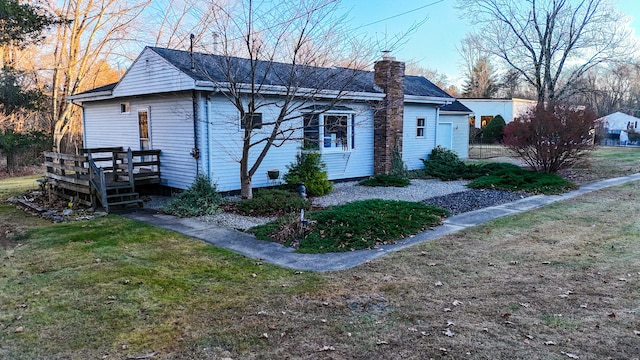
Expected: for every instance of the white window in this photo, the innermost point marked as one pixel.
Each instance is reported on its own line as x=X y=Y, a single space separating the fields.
x=420 y=125
x=125 y=108
x=329 y=132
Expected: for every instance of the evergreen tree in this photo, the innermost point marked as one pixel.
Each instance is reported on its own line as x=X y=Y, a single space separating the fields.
x=481 y=81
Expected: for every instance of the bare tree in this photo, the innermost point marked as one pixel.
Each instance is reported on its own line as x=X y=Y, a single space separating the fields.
x=439 y=79
x=551 y=43
x=287 y=49
x=610 y=88
x=95 y=30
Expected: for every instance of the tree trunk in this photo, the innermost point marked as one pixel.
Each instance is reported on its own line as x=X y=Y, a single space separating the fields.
x=246 y=190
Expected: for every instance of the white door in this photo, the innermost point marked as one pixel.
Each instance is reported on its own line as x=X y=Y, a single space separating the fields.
x=143 y=128
x=445 y=135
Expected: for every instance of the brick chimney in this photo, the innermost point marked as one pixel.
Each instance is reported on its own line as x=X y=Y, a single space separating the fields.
x=387 y=119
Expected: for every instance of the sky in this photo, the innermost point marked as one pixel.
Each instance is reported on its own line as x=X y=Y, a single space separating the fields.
x=434 y=44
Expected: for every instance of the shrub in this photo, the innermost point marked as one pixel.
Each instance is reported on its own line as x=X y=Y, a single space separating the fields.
x=201 y=198
x=552 y=138
x=272 y=202
x=517 y=179
x=444 y=164
x=310 y=170
x=502 y=176
x=398 y=167
x=386 y=181
x=492 y=132
x=358 y=225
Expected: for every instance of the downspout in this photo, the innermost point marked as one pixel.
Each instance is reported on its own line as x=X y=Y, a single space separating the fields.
x=195 y=152
x=206 y=139
x=435 y=138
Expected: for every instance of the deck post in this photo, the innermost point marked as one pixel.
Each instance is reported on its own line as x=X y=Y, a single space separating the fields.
x=130 y=168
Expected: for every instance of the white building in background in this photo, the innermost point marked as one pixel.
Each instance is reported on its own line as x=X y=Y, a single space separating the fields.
x=617 y=127
x=485 y=109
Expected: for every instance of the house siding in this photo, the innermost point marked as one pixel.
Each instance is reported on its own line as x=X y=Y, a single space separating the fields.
x=151 y=74
x=460 y=141
x=225 y=146
x=414 y=148
x=170 y=130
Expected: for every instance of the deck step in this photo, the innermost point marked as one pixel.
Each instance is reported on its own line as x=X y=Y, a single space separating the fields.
x=114 y=186
x=129 y=194
x=126 y=202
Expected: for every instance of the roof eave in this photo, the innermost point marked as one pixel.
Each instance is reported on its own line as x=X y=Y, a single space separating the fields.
x=284 y=90
x=428 y=99
x=99 y=95
x=452 y=112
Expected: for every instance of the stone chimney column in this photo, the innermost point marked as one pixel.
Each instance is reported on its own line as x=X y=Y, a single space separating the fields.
x=387 y=118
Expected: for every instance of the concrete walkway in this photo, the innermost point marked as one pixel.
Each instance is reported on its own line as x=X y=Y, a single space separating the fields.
x=283 y=256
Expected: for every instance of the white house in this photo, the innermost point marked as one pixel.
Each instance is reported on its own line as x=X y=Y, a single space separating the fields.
x=617 y=126
x=177 y=102
x=485 y=109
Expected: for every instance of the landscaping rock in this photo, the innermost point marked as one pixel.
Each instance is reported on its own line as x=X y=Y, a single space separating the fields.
x=465 y=201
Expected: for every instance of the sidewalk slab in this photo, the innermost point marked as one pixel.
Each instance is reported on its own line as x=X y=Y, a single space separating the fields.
x=280 y=255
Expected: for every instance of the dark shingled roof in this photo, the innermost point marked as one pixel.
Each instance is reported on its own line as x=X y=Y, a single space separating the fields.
x=208 y=67
x=107 y=87
x=456 y=106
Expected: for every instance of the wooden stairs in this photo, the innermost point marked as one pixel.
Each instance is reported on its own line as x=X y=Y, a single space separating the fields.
x=105 y=176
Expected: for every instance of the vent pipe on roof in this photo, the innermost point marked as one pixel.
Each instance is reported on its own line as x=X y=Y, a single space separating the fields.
x=193 y=65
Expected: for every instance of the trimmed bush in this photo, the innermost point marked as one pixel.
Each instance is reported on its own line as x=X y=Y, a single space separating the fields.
x=386 y=181
x=272 y=202
x=492 y=133
x=201 y=198
x=310 y=170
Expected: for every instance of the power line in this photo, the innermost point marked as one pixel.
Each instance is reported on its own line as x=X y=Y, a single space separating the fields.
x=401 y=14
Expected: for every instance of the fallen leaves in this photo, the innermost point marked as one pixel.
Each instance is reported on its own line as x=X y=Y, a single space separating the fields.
x=570 y=355
x=327 y=348
x=448 y=332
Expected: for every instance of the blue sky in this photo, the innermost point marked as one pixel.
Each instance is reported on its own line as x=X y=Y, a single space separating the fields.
x=434 y=44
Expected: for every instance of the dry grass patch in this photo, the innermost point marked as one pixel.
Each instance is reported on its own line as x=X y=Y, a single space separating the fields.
x=551 y=284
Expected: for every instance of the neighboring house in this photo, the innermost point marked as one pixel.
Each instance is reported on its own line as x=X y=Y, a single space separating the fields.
x=166 y=103
x=485 y=109
x=616 y=127
x=453 y=128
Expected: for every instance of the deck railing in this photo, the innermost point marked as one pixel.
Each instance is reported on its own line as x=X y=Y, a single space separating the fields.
x=84 y=177
x=99 y=182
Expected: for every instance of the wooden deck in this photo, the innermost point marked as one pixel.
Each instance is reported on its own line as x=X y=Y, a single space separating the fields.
x=105 y=176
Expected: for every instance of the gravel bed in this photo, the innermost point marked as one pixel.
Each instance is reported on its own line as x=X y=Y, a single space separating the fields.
x=453 y=196
x=418 y=190
x=472 y=199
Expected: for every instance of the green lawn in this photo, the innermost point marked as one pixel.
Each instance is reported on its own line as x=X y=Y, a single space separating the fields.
x=540 y=285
